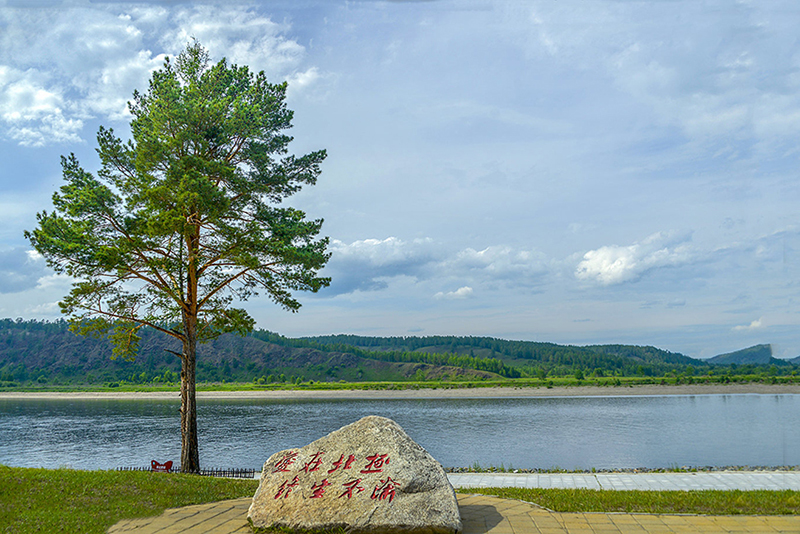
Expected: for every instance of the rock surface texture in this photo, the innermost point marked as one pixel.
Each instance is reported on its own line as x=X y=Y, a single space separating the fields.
x=366 y=477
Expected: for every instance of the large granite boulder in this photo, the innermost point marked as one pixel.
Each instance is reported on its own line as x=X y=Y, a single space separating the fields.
x=366 y=477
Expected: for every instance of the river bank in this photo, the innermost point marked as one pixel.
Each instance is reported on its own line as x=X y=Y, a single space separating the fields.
x=427 y=393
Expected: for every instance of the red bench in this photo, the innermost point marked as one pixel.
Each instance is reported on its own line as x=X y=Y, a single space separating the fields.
x=166 y=467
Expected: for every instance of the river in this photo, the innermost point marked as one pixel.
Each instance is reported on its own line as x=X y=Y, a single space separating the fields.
x=564 y=432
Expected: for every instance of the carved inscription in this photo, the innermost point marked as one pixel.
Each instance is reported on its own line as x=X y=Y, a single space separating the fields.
x=367 y=477
x=285 y=462
x=338 y=463
x=376 y=463
x=383 y=489
x=287 y=487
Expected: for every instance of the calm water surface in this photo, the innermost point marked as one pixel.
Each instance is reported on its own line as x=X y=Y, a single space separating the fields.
x=571 y=433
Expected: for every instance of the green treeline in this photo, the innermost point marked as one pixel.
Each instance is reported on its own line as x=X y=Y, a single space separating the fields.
x=41 y=352
x=531 y=359
x=491 y=365
x=516 y=350
x=541 y=360
x=34 y=352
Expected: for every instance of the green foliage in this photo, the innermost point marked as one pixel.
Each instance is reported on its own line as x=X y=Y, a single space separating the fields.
x=326 y=343
x=647 y=355
x=526 y=357
x=755 y=355
x=30 y=349
x=186 y=217
x=34 y=350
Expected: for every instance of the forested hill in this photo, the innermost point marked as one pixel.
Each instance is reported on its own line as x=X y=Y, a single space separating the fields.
x=646 y=354
x=535 y=356
x=44 y=352
x=47 y=352
x=755 y=355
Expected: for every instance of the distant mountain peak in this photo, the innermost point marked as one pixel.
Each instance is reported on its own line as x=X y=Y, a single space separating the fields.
x=757 y=355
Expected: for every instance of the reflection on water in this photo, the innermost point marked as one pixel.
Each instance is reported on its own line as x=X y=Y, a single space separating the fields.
x=571 y=433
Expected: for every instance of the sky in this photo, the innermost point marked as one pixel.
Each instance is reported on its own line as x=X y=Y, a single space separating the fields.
x=579 y=172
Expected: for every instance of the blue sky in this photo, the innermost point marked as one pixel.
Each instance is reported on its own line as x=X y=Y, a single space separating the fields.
x=575 y=172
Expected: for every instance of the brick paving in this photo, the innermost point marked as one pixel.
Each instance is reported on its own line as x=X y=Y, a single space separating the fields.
x=481 y=514
x=712 y=480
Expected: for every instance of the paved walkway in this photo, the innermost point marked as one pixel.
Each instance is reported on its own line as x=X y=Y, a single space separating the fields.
x=481 y=514
x=724 y=480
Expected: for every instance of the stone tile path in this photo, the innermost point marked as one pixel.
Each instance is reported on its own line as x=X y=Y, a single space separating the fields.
x=481 y=514
x=223 y=517
x=723 y=480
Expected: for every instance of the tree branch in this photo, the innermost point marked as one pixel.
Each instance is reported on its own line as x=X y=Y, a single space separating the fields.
x=221 y=286
x=136 y=320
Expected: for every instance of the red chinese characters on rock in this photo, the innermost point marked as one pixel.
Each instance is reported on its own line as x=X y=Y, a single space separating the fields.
x=318 y=489
x=284 y=463
x=314 y=463
x=350 y=488
x=338 y=463
x=376 y=463
x=287 y=487
x=384 y=490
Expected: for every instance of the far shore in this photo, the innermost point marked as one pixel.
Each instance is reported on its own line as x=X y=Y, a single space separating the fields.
x=438 y=393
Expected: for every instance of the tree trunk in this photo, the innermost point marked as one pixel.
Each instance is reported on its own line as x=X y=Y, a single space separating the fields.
x=190 y=452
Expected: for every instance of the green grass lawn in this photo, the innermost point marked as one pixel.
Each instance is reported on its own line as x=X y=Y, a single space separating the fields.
x=709 y=502
x=611 y=383
x=65 y=500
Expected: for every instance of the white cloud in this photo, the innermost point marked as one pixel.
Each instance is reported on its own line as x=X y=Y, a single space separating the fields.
x=758 y=324
x=300 y=82
x=108 y=93
x=20 y=269
x=34 y=255
x=60 y=282
x=614 y=264
x=46 y=309
x=240 y=34
x=722 y=77
x=459 y=294
x=61 y=67
x=500 y=263
x=54 y=128
x=382 y=253
x=33 y=114
x=366 y=264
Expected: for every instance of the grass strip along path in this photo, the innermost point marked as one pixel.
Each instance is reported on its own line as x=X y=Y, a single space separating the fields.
x=65 y=500
x=706 y=502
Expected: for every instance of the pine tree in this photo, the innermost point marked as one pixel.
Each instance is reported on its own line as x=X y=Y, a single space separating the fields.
x=185 y=219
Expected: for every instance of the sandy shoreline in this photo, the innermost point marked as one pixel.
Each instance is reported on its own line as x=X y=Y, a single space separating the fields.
x=465 y=393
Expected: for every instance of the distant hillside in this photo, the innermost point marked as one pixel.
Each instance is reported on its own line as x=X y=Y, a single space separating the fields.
x=455 y=359
x=33 y=351
x=533 y=357
x=646 y=354
x=755 y=355
x=49 y=352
